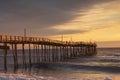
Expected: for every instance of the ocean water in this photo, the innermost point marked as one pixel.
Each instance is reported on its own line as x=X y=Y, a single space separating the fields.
x=103 y=66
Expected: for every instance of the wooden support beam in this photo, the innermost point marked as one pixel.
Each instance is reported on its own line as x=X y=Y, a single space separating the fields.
x=53 y=54
x=33 y=53
x=42 y=52
x=23 y=54
x=5 y=57
x=62 y=52
x=47 y=57
x=56 y=53
x=30 y=54
x=38 y=49
x=36 y=52
x=16 y=56
x=49 y=52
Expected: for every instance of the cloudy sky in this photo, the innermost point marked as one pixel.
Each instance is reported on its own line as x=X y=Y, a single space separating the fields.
x=83 y=20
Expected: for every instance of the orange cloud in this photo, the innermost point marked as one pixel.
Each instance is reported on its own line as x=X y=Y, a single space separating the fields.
x=101 y=23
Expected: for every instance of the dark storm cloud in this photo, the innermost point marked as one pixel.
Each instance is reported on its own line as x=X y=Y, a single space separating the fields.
x=53 y=31
x=41 y=14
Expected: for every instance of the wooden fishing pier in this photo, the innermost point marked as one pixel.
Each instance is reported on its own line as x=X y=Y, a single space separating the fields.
x=43 y=49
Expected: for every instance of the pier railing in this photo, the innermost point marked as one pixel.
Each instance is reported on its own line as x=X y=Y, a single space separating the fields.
x=36 y=40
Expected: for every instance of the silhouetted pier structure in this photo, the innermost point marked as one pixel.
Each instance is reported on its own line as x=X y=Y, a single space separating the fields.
x=43 y=49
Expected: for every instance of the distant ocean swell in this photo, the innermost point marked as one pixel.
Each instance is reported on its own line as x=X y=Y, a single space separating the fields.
x=104 y=66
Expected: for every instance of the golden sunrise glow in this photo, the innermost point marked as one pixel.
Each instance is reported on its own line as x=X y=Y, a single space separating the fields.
x=100 y=23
